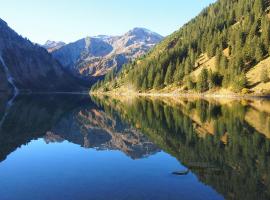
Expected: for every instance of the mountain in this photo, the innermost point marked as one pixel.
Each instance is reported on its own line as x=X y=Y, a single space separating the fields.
x=53 y=45
x=26 y=66
x=95 y=56
x=225 y=49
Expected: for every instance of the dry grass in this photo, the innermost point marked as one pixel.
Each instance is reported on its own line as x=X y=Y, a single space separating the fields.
x=254 y=74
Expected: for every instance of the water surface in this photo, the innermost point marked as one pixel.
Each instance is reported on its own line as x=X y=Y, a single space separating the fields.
x=77 y=147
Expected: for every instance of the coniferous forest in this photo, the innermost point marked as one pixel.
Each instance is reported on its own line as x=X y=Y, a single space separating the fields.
x=231 y=36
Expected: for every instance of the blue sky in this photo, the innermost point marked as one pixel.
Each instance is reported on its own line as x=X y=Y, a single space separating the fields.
x=69 y=20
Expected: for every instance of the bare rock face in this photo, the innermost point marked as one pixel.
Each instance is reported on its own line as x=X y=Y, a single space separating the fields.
x=29 y=66
x=95 y=56
x=53 y=45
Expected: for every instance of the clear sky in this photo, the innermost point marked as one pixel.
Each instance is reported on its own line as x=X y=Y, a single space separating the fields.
x=70 y=20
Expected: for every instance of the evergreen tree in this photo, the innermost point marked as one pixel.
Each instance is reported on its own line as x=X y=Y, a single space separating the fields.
x=202 y=83
x=188 y=66
x=266 y=32
x=150 y=77
x=219 y=55
x=215 y=79
x=189 y=82
x=169 y=75
x=144 y=84
x=259 y=52
x=158 y=81
x=240 y=82
x=258 y=7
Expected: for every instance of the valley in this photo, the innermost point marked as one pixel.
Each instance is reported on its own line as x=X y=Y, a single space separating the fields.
x=123 y=100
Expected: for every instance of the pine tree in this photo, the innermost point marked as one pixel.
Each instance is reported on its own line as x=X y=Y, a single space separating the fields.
x=259 y=52
x=178 y=75
x=266 y=32
x=258 y=7
x=189 y=82
x=150 y=77
x=219 y=55
x=188 y=66
x=215 y=79
x=144 y=84
x=202 y=83
x=223 y=62
x=240 y=82
x=158 y=81
x=169 y=75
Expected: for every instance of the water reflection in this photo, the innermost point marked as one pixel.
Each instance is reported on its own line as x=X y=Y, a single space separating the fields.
x=222 y=144
x=73 y=118
x=225 y=143
x=67 y=147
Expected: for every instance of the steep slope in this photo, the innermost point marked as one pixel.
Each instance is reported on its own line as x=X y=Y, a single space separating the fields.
x=53 y=45
x=25 y=66
x=213 y=53
x=95 y=56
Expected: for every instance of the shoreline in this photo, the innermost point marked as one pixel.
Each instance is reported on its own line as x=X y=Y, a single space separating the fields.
x=185 y=95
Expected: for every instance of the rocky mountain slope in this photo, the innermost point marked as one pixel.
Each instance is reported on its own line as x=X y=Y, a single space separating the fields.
x=95 y=56
x=26 y=66
x=53 y=45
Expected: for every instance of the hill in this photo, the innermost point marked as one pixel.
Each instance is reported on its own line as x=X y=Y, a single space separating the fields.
x=225 y=49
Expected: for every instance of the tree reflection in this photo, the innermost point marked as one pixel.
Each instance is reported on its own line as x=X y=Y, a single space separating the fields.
x=220 y=142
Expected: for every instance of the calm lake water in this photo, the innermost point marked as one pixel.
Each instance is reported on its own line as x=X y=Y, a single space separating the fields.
x=81 y=147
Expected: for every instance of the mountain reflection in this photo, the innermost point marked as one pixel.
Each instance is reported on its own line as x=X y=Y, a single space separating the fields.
x=74 y=118
x=225 y=143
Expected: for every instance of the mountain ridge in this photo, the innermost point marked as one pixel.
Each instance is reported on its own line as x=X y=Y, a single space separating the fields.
x=82 y=57
x=53 y=45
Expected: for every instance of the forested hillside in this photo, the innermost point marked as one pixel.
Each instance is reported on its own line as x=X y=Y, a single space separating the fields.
x=226 y=47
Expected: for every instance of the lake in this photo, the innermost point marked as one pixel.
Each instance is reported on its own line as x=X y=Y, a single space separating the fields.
x=81 y=147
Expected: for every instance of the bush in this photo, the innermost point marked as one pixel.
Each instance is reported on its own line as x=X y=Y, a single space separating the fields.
x=245 y=91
